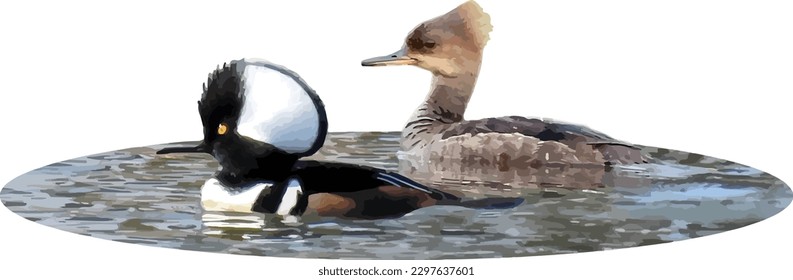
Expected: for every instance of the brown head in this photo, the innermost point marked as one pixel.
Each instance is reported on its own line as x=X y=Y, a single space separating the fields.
x=448 y=45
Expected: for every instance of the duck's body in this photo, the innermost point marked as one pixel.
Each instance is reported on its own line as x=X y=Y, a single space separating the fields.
x=323 y=189
x=450 y=46
x=499 y=140
x=259 y=119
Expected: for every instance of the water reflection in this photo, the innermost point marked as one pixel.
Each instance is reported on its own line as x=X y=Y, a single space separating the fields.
x=510 y=173
x=136 y=197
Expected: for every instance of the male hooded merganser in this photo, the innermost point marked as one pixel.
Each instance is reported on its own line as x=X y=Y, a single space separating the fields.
x=450 y=46
x=259 y=119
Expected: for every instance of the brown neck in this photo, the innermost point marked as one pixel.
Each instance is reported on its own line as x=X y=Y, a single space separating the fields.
x=448 y=97
x=445 y=104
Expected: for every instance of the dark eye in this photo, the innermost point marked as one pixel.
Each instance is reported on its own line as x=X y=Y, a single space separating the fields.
x=420 y=44
x=419 y=40
x=415 y=43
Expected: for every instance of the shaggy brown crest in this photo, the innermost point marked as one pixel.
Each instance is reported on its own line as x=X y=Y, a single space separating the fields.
x=468 y=22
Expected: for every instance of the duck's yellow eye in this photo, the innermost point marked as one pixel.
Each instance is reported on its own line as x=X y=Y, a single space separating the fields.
x=222 y=128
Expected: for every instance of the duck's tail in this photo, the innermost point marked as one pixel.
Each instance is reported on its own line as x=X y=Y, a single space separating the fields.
x=621 y=153
x=486 y=203
x=445 y=198
x=402 y=181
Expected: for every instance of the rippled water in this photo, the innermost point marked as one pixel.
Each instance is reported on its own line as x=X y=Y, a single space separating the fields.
x=137 y=197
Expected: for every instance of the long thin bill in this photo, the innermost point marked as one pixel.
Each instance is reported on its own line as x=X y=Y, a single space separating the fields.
x=201 y=148
x=398 y=58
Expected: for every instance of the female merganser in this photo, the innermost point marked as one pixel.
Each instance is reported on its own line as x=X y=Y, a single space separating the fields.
x=450 y=46
x=259 y=119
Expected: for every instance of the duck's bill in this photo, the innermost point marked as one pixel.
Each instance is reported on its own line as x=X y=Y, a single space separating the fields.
x=201 y=148
x=398 y=58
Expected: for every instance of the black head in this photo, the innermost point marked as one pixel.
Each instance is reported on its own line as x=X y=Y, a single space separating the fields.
x=258 y=119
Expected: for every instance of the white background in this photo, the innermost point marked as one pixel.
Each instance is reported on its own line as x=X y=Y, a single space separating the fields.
x=711 y=77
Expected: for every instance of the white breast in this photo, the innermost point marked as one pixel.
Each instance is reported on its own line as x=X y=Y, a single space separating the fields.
x=215 y=197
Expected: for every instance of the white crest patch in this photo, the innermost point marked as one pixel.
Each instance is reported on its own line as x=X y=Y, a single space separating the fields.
x=293 y=192
x=215 y=197
x=277 y=110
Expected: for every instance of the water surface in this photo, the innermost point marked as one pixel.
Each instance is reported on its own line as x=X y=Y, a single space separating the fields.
x=135 y=196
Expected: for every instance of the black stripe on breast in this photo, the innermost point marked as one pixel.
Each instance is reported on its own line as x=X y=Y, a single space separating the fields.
x=270 y=198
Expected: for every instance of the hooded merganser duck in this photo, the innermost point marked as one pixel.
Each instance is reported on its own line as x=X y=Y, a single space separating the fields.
x=259 y=119
x=450 y=46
